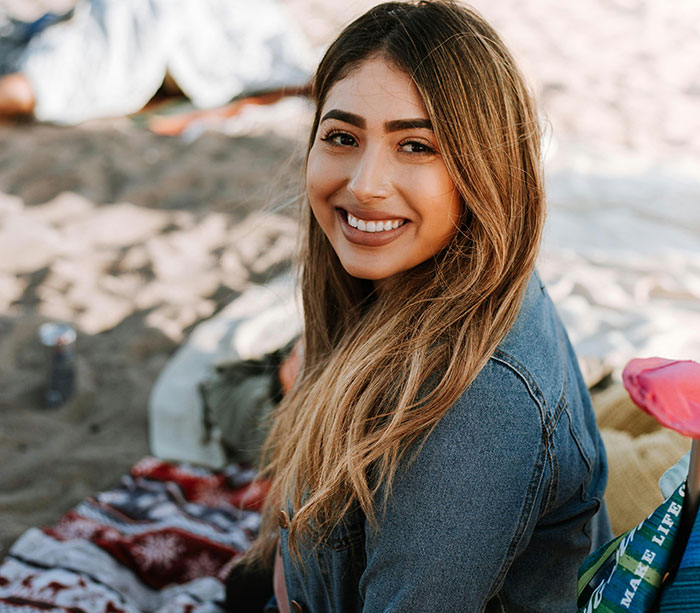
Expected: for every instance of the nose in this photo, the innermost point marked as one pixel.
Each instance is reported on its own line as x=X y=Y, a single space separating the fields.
x=370 y=176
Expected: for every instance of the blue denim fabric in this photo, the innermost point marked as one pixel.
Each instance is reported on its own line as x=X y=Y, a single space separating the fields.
x=498 y=509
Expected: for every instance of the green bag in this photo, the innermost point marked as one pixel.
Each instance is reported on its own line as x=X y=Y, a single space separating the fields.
x=239 y=401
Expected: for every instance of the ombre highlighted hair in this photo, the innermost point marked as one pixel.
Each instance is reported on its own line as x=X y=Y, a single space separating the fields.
x=380 y=370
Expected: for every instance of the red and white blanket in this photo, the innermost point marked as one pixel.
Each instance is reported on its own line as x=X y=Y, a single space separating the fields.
x=162 y=541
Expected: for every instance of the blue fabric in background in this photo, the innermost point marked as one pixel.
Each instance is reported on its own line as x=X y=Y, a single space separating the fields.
x=16 y=34
x=682 y=593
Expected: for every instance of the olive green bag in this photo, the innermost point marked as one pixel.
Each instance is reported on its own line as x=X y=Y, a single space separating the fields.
x=238 y=401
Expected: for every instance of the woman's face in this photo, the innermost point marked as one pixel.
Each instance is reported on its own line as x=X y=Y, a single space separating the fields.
x=376 y=181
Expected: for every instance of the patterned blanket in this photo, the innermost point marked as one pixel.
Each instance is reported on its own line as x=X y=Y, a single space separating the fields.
x=162 y=541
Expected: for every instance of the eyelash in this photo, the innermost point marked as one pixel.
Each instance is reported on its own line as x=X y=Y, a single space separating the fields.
x=330 y=135
x=426 y=148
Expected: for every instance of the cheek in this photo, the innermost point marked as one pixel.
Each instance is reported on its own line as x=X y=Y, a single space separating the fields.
x=318 y=189
x=451 y=208
x=320 y=171
x=326 y=173
x=440 y=201
x=314 y=181
x=312 y=174
x=451 y=197
x=456 y=208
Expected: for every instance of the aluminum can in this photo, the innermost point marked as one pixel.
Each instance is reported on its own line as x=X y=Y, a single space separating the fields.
x=59 y=339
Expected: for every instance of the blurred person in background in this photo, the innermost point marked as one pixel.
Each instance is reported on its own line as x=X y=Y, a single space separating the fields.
x=109 y=57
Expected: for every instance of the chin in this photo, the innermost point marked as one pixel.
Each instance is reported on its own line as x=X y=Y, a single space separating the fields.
x=363 y=271
x=366 y=275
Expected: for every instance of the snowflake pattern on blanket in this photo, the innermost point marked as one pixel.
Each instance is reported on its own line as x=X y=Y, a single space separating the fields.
x=162 y=541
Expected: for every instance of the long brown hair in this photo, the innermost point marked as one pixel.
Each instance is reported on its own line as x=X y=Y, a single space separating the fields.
x=380 y=370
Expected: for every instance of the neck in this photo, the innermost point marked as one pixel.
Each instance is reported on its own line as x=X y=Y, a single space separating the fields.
x=380 y=286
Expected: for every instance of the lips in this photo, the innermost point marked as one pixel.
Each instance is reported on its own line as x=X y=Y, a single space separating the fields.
x=370 y=235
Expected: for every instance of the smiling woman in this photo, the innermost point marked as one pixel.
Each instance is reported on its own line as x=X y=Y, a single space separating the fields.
x=377 y=184
x=437 y=450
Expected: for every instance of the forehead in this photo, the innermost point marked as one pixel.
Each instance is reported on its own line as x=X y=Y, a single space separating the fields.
x=376 y=89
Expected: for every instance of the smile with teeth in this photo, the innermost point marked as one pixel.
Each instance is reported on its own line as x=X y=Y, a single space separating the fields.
x=374 y=226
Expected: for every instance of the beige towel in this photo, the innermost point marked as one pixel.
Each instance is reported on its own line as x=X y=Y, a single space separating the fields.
x=639 y=451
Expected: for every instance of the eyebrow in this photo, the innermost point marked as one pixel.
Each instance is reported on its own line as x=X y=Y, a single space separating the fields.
x=395 y=125
x=408 y=124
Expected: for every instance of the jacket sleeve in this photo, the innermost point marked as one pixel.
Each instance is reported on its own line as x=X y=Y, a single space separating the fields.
x=463 y=509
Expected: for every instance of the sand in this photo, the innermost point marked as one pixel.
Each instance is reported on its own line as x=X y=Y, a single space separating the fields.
x=135 y=238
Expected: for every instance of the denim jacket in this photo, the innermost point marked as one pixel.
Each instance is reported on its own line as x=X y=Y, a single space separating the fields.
x=500 y=505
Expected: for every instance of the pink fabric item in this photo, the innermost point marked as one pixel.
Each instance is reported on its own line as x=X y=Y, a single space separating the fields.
x=669 y=390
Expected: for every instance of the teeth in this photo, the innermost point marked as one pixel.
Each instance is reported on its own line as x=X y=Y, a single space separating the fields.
x=373 y=226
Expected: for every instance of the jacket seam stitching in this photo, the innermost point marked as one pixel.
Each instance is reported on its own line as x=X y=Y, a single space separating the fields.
x=553 y=489
x=535 y=482
x=562 y=404
x=552 y=452
x=579 y=445
x=523 y=520
x=559 y=410
x=532 y=387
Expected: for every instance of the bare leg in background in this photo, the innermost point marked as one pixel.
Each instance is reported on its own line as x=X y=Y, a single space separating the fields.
x=16 y=96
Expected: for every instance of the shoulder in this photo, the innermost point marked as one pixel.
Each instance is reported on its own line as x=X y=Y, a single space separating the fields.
x=499 y=419
x=523 y=378
x=504 y=417
x=470 y=486
x=537 y=348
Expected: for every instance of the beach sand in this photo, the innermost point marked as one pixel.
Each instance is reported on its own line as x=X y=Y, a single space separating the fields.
x=134 y=238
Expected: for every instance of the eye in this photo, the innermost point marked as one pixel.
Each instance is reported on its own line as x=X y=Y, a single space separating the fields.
x=338 y=138
x=416 y=147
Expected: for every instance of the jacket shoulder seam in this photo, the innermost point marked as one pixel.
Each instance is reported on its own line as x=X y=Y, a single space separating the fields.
x=522 y=372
